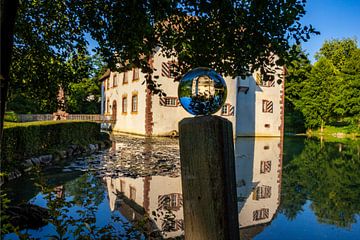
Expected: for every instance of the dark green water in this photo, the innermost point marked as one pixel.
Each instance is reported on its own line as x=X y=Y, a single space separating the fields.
x=298 y=189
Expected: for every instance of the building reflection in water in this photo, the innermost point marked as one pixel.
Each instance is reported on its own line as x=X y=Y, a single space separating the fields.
x=159 y=194
x=136 y=197
x=258 y=164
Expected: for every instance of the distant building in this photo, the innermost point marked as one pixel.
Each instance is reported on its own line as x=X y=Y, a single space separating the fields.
x=255 y=108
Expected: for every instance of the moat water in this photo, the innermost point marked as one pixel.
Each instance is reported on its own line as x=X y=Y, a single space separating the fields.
x=296 y=189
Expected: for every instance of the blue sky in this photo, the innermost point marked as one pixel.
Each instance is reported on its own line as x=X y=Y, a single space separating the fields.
x=335 y=19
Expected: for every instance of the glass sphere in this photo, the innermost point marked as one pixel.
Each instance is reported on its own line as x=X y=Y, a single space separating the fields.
x=202 y=91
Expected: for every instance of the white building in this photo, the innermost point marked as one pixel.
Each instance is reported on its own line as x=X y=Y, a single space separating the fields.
x=255 y=108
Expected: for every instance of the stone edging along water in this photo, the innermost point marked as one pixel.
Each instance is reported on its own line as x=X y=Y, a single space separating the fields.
x=49 y=159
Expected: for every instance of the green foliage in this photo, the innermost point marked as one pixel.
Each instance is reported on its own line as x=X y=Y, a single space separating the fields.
x=5 y=226
x=73 y=209
x=10 y=117
x=23 y=103
x=337 y=51
x=330 y=94
x=327 y=175
x=84 y=97
x=50 y=50
x=22 y=140
x=233 y=38
x=298 y=71
x=316 y=94
x=338 y=133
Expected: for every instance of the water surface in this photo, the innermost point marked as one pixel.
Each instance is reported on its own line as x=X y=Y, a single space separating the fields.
x=296 y=189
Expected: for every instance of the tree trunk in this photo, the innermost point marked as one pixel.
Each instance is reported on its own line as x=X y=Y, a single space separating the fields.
x=7 y=21
x=322 y=126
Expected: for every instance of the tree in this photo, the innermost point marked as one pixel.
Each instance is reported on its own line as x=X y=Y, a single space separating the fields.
x=337 y=51
x=348 y=101
x=331 y=93
x=7 y=20
x=84 y=96
x=298 y=71
x=316 y=92
x=233 y=37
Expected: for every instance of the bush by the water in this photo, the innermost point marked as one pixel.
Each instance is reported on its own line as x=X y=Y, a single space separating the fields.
x=10 y=117
x=23 y=140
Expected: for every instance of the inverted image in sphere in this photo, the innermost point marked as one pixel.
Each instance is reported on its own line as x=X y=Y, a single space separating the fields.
x=202 y=91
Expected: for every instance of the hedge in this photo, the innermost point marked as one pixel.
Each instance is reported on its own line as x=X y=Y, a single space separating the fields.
x=24 y=140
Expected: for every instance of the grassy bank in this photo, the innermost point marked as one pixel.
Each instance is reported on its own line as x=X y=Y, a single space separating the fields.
x=24 y=140
x=332 y=132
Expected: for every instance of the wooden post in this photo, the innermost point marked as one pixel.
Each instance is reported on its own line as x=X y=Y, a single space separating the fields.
x=208 y=178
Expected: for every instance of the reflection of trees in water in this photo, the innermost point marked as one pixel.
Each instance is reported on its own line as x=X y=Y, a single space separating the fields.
x=85 y=188
x=328 y=175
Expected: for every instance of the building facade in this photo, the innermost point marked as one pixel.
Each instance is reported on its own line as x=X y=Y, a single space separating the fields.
x=254 y=107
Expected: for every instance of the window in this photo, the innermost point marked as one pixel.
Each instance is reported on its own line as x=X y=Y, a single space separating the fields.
x=227 y=110
x=168 y=69
x=261 y=214
x=125 y=78
x=135 y=74
x=169 y=101
x=267 y=106
x=262 y=192
x=267 y=125
x=172 y=201
x=132 y=193
x=268 y=83
x=172 y=225
x=265 y=166
x=124 y=105
x=108 y=106
x=114 y=80
x=107 y=83
x=134 y=103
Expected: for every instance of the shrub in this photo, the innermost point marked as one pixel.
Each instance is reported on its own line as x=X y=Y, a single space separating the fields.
x=23 y=140
x=10 y=117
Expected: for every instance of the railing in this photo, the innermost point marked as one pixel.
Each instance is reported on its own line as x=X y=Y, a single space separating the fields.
x=34 y=117
x=79 y=117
